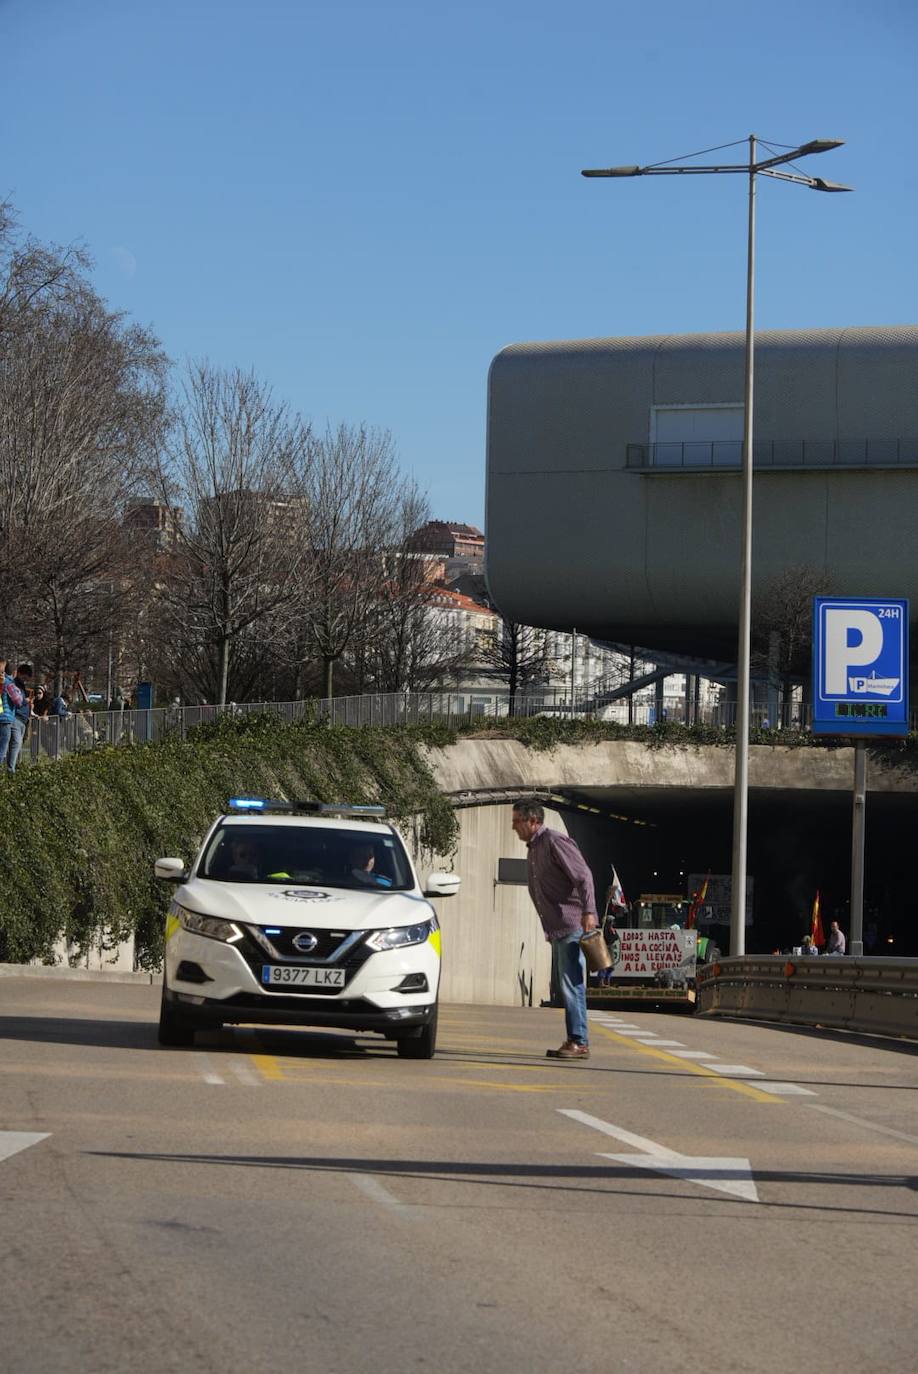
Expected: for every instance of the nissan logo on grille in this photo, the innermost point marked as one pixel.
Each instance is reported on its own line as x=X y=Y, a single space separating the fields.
x=305 y=942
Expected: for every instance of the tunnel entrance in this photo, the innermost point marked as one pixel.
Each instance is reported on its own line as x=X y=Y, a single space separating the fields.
x=799 y=841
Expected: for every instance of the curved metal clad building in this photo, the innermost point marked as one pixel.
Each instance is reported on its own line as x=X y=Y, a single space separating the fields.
x=613 y=488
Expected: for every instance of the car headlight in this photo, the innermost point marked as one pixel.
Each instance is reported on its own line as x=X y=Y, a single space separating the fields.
x=397 y=936
x=211 y=926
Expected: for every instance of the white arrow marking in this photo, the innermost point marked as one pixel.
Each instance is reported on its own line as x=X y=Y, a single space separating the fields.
x=733 y=1176
x=11 y=1142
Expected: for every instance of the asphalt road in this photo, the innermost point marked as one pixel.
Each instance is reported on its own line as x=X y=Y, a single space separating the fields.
x=719 y=1196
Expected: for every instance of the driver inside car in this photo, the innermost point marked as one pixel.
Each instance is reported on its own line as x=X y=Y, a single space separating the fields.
x=362 y=864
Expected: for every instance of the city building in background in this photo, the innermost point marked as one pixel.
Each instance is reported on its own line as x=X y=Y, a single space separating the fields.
x=614 y=491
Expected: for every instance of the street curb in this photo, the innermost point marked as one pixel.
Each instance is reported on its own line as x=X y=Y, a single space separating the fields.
x=77 y=975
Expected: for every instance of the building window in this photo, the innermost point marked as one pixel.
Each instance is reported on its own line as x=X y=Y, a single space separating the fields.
x=697 y=435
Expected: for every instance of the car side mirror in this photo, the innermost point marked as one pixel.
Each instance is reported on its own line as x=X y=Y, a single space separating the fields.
x=170 y=870
x=441 y=885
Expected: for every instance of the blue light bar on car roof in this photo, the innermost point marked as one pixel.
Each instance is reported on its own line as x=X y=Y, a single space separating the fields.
x=309 y=808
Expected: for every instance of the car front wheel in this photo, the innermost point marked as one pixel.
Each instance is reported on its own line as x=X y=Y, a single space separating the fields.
x=174 y=1030
x=419 y=1044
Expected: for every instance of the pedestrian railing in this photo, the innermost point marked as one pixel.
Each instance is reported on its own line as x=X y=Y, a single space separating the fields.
x=53 y=738
x=87 y=729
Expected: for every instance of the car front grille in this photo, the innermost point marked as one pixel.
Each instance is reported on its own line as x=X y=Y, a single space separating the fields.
x=279 y=949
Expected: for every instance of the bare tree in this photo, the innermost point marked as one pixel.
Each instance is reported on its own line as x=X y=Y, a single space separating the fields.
x=782 y=625
x=351 y=487
x=517 y=655
x=231 y=479
x=406 y=644
x=81 y=405
x=33 y=276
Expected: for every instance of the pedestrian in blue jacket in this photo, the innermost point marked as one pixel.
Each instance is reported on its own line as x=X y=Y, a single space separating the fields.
x=21 y=714
x=10 y=698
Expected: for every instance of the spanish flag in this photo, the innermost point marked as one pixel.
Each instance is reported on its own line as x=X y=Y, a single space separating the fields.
x=816 y=930
x=697 y=903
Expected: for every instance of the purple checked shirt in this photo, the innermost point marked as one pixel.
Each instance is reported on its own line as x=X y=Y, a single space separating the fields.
x=560 y=884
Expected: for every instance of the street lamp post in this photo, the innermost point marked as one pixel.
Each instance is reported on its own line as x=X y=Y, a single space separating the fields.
x=751 y=169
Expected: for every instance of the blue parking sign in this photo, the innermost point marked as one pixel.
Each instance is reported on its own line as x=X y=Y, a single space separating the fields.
x=860 y=666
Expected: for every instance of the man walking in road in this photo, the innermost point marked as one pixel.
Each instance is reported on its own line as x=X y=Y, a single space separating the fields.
x=561 y=887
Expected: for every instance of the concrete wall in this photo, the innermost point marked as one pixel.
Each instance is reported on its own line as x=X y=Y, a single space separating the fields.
x=651 y=557
x=494 y=952
x=476 y=765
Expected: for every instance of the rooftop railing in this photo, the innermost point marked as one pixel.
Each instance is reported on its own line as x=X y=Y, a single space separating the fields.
x=694 y=455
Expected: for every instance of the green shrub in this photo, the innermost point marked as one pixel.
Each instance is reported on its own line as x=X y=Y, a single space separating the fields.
x=82 y=834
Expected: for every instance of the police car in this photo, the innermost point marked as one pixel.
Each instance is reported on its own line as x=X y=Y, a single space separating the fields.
x=303 y=913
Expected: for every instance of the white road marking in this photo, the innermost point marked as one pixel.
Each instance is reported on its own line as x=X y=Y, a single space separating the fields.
x=244 y=1072
x=786 y=1089
x=206 y=1067
x=725 y=1175
x=11 y=1142
x=859 y=1121
x=376 y=1192
x=676 y=1049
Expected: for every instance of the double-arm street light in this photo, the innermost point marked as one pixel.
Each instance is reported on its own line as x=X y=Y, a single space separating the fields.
x=766 y=167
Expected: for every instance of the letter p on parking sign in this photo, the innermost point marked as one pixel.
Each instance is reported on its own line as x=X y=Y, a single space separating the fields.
x=860 y=666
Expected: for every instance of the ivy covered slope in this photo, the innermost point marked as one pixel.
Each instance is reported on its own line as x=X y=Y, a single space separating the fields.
x=80 y=836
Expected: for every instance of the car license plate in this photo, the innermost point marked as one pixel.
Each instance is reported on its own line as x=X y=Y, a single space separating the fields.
x=288 y=976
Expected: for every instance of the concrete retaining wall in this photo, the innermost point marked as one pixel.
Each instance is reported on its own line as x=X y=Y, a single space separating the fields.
x=494 y=952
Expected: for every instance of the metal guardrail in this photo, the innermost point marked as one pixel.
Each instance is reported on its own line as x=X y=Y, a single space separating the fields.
x=727 y=454
x=878 y=995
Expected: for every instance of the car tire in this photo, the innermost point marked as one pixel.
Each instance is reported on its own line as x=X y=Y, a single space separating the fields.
x=175 y=1031
x=419 y=1044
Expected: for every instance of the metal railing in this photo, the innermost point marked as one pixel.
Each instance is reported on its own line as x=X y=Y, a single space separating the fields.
x=874 y=995
x=53 y=739
x=415 y=708
x=706 y=454
x=81 y=730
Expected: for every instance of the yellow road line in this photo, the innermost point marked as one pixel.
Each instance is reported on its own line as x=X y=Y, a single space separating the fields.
x=102 y=1071
x=268 y=1067
x=540 y=1067
x=746 y=1089
x=515 y=1087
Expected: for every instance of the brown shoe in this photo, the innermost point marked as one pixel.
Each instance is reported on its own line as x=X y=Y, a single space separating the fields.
x=569 y=1050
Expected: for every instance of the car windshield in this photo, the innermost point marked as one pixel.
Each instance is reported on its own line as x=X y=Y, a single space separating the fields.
x=355 y=859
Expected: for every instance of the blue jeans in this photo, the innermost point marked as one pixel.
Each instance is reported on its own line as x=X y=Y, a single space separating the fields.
x=569 y=970
x=6 y=730
x=17 y=733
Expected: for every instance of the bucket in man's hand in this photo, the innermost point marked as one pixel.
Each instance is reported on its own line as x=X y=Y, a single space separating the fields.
x=596 y=951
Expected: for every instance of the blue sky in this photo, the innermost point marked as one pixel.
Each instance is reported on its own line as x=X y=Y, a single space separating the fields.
x=366 y=202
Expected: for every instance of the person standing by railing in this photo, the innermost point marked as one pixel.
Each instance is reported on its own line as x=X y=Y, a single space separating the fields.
x=21 y=714
x=60 y=707
x=10 y=698
x=41 y=702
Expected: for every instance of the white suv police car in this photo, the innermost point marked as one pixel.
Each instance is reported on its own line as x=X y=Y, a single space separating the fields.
x=303 y=913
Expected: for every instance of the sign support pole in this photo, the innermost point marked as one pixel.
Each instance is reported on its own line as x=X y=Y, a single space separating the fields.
x=858 y=829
